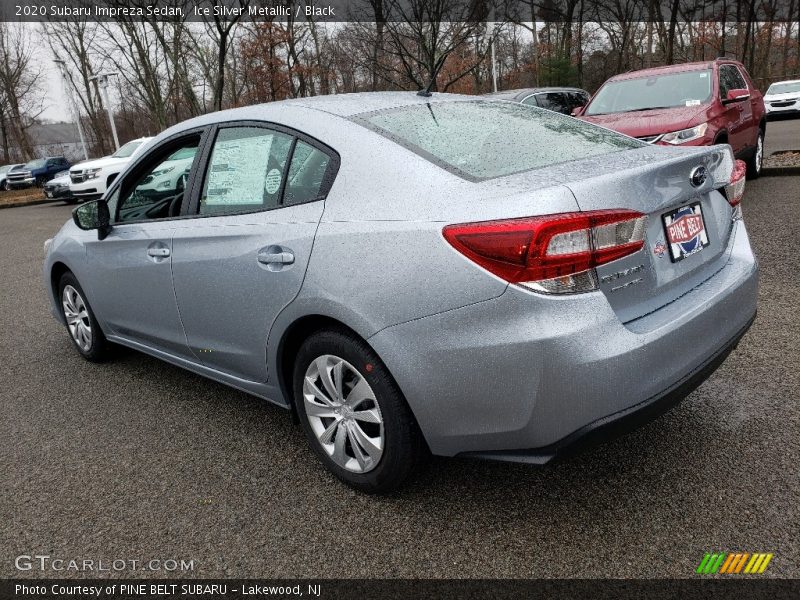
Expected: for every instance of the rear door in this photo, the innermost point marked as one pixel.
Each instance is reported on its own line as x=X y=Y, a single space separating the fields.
x=242 y=256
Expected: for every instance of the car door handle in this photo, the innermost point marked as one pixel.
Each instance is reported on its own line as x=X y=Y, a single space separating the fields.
x=276 y=258
x=158 y=252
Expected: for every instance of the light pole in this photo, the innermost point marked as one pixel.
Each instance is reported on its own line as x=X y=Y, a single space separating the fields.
x=491 y=28
x=66 y=76
x=102 y=82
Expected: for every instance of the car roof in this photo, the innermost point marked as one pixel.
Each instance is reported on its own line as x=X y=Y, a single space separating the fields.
x=299 y=112
x=786 y=81
x=685 y=67
x=523 y=92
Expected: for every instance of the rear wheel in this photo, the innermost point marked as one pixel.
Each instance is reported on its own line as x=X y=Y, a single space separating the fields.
x=757 y=158
x=353 y=413
x=84 y=331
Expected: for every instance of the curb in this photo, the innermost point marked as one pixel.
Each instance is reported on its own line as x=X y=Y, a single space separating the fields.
x=779 y=171
x=31 y=203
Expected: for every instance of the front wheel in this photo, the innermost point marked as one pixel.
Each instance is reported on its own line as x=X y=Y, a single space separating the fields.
x=84 y=331
x=757 y=158
x=6 y=186
x=353 y=413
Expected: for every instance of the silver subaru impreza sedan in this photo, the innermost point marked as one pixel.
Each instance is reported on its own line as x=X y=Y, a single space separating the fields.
x=417 y=274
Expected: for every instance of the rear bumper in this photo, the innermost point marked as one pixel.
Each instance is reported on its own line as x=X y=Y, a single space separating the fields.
x=525 y=371
x=619 y=423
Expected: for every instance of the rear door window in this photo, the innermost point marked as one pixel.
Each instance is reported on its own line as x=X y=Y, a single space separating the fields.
x=246 y=170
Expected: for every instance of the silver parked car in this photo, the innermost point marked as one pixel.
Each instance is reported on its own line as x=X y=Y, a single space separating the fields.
x=448 y=274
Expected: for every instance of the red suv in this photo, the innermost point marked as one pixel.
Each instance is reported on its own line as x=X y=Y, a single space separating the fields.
x=695 y=104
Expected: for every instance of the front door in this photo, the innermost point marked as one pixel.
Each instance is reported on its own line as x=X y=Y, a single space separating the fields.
x=243 y=258
x=132 y=266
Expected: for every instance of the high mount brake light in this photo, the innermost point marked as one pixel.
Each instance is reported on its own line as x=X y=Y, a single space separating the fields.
x=734 y=190
x=556 y=254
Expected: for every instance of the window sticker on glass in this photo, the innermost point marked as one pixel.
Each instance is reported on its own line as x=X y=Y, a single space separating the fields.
x=273 y=182
x=238 y=174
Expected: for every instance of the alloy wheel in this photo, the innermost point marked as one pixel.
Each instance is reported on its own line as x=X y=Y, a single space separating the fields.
x=343 y=413
x=77 y=316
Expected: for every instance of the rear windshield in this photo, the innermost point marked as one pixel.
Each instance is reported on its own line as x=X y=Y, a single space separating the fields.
x=666 y=90
x=484 y=139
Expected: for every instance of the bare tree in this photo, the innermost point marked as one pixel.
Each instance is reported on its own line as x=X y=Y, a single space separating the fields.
x=21 y=94
x=74 y=42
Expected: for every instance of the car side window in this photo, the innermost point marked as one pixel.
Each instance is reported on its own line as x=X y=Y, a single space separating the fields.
x=544 y=101
x=158 y=192
x=246 y=170
x=530 y=101
x=306 y=174
x=577 y=99
x=730 y=79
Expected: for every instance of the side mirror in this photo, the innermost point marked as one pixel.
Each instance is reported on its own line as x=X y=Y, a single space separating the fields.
x=737 y=95
x=577 y=111
x=93 y=215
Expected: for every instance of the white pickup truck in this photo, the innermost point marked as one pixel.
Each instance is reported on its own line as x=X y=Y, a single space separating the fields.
x=89 y=180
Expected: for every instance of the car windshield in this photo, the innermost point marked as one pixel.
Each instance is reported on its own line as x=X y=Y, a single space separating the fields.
x=784 y=88
x=690 y=88
x=35 y=164
x=485 y=139
x=127 y=150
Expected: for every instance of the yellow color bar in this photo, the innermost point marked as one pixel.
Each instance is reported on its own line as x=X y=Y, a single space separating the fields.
x=757 y=564
x=765 y=562
x=753 y=561
x=728 y=562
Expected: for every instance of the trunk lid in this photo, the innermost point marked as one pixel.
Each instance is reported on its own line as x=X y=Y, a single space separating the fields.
x=657 y=182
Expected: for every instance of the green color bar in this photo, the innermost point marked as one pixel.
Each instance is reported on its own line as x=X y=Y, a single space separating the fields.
x=711 y=562
x=718 y=564
x=703 y=563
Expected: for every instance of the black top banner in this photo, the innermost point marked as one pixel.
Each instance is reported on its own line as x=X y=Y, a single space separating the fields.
x=413 y=11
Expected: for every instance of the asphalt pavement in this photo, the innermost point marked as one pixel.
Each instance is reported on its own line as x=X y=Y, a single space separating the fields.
x=136 y=460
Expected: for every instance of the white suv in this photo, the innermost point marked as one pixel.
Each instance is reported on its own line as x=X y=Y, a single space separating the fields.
x=89 y=180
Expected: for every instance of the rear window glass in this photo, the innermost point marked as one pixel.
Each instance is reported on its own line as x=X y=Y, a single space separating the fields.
x=483 y=139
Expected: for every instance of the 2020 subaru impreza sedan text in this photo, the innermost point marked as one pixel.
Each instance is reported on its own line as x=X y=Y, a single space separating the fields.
x=447 y=274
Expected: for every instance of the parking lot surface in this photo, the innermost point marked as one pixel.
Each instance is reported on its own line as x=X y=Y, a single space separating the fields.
x=136 y=460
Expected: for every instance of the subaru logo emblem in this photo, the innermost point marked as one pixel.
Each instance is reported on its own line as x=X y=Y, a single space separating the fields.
x=698 y=176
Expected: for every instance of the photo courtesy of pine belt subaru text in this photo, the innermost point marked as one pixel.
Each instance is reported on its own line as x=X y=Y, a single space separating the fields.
x=446 y=274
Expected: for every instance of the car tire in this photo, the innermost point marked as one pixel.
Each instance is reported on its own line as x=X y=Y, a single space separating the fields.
x=6 y=186
x=371 y=442
x=755 y=162
x=82 y=326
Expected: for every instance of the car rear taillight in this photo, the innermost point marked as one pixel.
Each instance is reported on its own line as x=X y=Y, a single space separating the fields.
x=556 y=254
x=735 y=189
